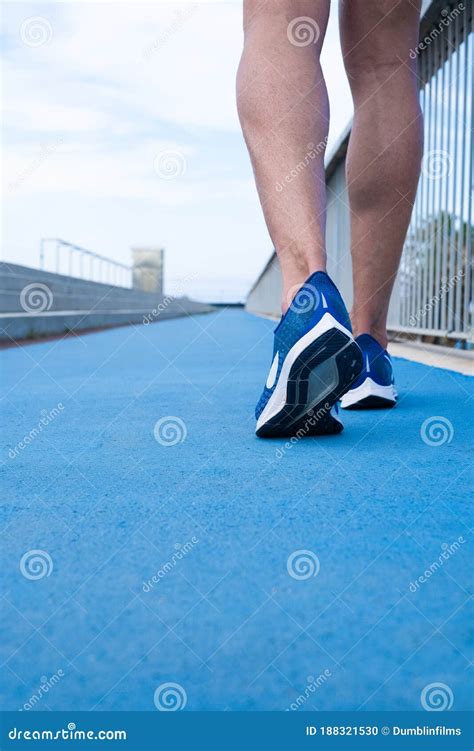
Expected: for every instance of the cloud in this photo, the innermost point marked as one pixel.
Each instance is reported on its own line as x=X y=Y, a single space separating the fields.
x=114 y=85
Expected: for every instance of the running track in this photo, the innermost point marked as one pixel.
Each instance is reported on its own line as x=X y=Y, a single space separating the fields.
x=111 y=506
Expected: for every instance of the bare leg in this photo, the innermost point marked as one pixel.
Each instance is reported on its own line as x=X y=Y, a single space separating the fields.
x=284 y=112
x=385 y=148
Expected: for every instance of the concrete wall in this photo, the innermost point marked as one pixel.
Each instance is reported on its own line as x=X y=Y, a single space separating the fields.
x=265 y=296
x=38 y=303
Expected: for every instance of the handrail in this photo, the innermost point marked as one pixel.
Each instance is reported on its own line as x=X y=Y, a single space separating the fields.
x=109 y=270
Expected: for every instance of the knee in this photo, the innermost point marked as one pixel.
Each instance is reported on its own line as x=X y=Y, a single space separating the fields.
x=371 y=63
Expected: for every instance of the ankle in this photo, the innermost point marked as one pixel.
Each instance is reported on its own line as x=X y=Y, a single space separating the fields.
x=379 y=333
x=294 y=280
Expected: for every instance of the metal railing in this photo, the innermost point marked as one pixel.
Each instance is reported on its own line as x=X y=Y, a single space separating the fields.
x=433 y=294
x=82 y=263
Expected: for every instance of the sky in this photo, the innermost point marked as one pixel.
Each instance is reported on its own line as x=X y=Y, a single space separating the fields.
x=120 y=130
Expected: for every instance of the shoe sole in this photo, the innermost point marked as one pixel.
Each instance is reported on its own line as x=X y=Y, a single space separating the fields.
x=317 y=370
x=370 y=395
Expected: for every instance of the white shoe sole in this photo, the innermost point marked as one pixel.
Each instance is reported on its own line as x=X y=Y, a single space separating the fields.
x=369 y=394
x=284 y=409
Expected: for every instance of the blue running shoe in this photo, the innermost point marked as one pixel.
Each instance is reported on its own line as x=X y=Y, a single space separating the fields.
x=375 y=386
x=315 y=361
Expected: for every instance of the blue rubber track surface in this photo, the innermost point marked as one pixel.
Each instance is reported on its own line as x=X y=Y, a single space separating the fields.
x=237 y=615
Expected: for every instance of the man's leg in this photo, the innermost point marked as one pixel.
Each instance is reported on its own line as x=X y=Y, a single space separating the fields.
x=385 y=148
x=284 y=112
x=283 y=107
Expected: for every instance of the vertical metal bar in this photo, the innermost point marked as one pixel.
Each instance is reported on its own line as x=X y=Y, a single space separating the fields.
x=440 y=156
x=416 y=221
x=457 y=172
x=432 y=187
x=423 y=193
x=459 y=323
x=428 y=181
x=425 y=233
x=441 y=183
x=467 y=279
x=412 y=247
x=454 y=100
